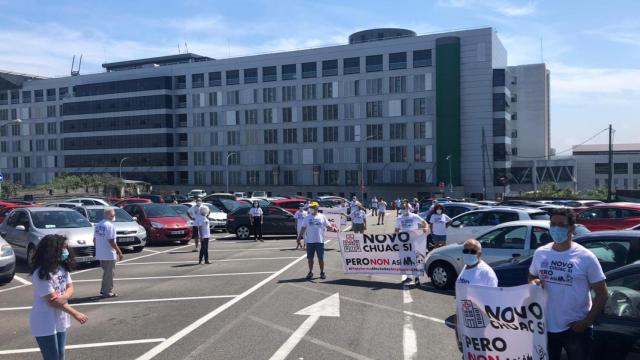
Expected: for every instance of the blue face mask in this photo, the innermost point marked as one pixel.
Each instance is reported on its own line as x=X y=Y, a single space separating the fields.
x=470 y=259
x=558 y=234
x=65 y=255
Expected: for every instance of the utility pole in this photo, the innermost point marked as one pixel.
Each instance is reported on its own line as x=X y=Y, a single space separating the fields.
x=484 y=171
x=609 y=185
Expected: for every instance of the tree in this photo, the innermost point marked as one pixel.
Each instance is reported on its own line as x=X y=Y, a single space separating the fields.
x=10 y=188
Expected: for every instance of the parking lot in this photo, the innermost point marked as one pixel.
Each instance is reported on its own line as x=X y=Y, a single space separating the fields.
x=240 y=307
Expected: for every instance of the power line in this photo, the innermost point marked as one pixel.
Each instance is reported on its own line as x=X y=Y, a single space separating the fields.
x=566 y=150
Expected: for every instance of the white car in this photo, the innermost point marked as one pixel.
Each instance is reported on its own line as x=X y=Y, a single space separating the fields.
x=196 y=192
x=505 y=241
x=259 y=194
x=87 y=201
x=7 y=262
x=217 y=218
x=473 y=223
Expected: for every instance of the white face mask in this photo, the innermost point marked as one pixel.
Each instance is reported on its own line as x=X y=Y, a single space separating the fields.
x=439 y=212
x=405 y=212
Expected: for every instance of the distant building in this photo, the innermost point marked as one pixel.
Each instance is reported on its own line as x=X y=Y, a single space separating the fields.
x=593 y=166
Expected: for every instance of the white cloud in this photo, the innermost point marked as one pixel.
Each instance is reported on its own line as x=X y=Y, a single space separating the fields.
x=504 y=7
x=627 y=32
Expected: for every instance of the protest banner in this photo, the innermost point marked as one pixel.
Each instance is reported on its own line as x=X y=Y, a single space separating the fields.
x=501 y=323
x=337 y=217
x=398 y=254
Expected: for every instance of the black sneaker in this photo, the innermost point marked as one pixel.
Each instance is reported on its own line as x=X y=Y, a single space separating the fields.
x=309 y=275
x=323 y=276
x=417 y=281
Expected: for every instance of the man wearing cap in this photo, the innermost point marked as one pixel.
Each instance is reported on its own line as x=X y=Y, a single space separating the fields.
x=193 y=213
x=313 y=228
x=359 y=219
x=299 y=216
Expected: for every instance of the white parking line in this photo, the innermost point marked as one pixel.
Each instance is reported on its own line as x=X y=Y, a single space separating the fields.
x=21 y=280
x=86 y=346
x=149 y=250
x=212 y=260
x=176 y=276
x=409 y=338
x=13 y=288
x=132 y=301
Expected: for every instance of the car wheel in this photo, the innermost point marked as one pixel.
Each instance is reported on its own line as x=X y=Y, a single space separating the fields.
x=138 y=249
x=442 y=275
x=243 y=232
x=31 y=256
x=7 y=279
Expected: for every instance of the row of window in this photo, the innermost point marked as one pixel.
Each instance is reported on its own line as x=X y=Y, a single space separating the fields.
x=622 y=183
x=618 y=168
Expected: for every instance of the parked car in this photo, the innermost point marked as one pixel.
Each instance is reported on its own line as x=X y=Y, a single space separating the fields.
x=226 y=205
x=153 y=197
x=196 y=192
x=5 y=204
x=614 y=216
x=521 y=203
x=124 y=202
x=291 y=205
x=262 y=202
x=578 y=203
x=453 y=209
x=88 y=201
x=616 y=332
x=487 y=202
x=277 y=221
x=612 y=248
x=7 y=209
x=217 y=218
x=637 y=227
x=240 y=194
x=476 y=222
x=7 y=262
x=183 y=211
x=25 y=227
x=66 y=205
x=259 y=194
x=227 y=196
x=128 y=232
x=161 y=221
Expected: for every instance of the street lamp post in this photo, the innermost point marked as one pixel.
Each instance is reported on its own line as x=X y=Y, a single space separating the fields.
x=14 y=121
x=450 y=176
x=122 y=161
x=362 y=158
x=227 y=168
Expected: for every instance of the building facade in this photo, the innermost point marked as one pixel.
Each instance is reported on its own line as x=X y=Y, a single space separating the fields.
x=390 y=113
x=593 y=166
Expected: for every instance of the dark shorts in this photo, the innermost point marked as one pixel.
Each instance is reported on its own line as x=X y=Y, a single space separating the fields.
x=358 y=227
x=315 y=248
x=194 y=232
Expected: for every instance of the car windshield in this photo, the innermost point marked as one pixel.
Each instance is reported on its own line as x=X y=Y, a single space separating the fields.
x=233 y=205
x=180 y=209
x=158 y=211
x=59 y=220
x=213 y=208
x=97 y=215
x=539 y=216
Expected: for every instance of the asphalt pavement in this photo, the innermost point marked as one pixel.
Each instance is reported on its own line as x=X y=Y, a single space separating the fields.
x=253 y=302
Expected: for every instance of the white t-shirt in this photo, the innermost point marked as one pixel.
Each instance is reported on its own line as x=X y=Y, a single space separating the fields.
x=408 y=222
x=255 y=212
x=44 y=319
x=439 y=223
x=194 y=211
x=316 y=226
x=382 y=206
x=374 y=202
x=353 y=206
x=482 y=274
x=567 y=277
x=103 y=232
x=299 y=216
x=358 y=217
x=202 y=222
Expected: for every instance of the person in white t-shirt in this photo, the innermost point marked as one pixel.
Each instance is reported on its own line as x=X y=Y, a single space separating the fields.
x=439 y=222
x=374 y=206
x=407 y=222
x=256 y=218
x=353 y=205
x=313 y=228
x=299 y=216
x=52 y=288
x=193 y=212
x=203 y=223
x=107 y=251
x=382 y=209
x=359 y=219
x=568 y=272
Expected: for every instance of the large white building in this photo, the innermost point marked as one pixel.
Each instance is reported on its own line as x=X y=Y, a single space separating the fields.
x=390 y=110
x=593 y=166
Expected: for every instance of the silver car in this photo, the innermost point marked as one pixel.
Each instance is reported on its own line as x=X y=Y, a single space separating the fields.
x=7 y=262
x=25 y=227
x=128 y=232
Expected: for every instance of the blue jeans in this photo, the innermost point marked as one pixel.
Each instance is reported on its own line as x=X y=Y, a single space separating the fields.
x=577 y=345
x=315 y=248
x=52 y=346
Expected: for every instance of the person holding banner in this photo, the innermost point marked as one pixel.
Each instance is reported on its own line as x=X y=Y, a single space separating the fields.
x=475 y=270
x=313 y=228
x=407 y=222
x=567 y=271
x=382 y=209
x=299 y=216
x=359 y=219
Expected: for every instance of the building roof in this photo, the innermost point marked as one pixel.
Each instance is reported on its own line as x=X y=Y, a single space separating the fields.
x=11 y=80
x=155 y=61
x=600 y=149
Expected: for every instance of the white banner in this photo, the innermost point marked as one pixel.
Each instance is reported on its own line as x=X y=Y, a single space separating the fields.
x=398 y=254
x=337 y=217
x=501 y=323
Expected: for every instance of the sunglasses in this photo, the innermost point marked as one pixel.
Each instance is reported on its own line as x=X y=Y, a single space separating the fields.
x=469 y=251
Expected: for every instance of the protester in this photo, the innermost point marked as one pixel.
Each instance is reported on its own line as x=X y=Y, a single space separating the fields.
x=256 y=218
x=439 y=223
x=408 y=222
x=313 y=229
x=194 y=212
x=107 y=251
x=353 y=204
x=382 y=209
x=416 y=205
x=299 y=216
x=359 y=219
x=203 y=223
x=398 y=204
x=374 y=206
x=52 y=288
x=567 y=271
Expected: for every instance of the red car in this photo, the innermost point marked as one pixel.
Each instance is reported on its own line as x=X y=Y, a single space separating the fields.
x=163 y=223
x=4 y=211
x=291 y=205
x=614 y=216
x=128 y=201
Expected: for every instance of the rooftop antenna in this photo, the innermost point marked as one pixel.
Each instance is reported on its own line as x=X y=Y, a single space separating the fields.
x=186 y=49
x=229 y=47
x=541 y=51
x=178 y=48
x=76 y=72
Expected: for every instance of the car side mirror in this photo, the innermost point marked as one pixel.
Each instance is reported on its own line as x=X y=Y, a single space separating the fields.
x=21 y=228
x=135 y=218
x=456 y=224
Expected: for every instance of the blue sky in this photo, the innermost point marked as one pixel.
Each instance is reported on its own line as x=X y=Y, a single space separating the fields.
x=591 y=47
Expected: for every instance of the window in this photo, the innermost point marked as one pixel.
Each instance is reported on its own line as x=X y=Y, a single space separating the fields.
x=309 y=135
x=289 y=93
x=213 y=118
x=374 y=132
x=233 y=77
x=374 y=86
x=53 y=144
x=269 y=73
x=198 y=158
x=271 y=157
x=327 y=90
x=420 y=176
x=330 y=134
x=289 y=72
x=421 y=58
x=26 y=97
x=349 y=133
x=398 y=176
x=398 y=131
x=216 y=158
x=51 y=111
x=251 y=76
x=397 y=84
x=348 y=111
x=330 y=112
x=419 y=153
x=611 y=254
x=290 y=136
x=251 y=117
x=621 y=168
x=493 y=218
x=398 y=154
x=351 y=88
x=618 y=304
x=39 y=129
x=512 y=237
x=331 y=177
x=267 y=116
x=351 y=177
x=269 y=95
x=420 y=83
x=253 y=177
x=602 y=168
x=215 y=78
x=287 y=115
x=233 y=97
x=38 y=95
x=233 y=159
x=233 y=137
x=328 y=156
x=374 y=109
x=51 y=94
x=39 y=145
x=398 y=61
x=197 y=80
x=288 y=156
x=375 y=155
x=309 y=70
x=309 y=113
x=289 y=177
x=330 y=68
x=308 y=92
x=373 y=63
x=374 y=177
x=419 y=130
x=271 y=136
x=351 y=65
